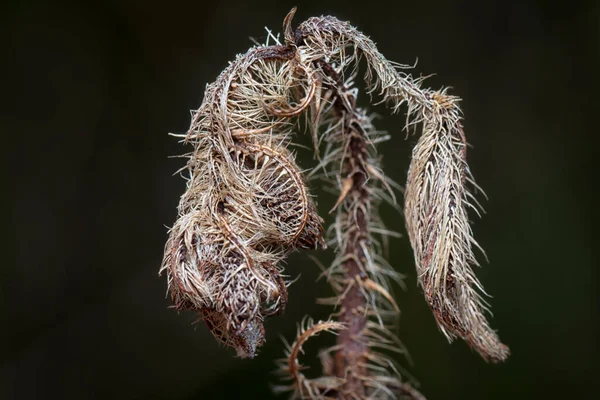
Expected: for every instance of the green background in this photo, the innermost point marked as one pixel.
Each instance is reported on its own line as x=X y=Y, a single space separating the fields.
x=89 y=92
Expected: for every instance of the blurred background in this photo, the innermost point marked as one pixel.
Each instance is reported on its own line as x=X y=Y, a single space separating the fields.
x=90 y=91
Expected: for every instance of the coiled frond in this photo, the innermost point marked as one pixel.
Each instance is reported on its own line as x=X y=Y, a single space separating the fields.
x=291 y=369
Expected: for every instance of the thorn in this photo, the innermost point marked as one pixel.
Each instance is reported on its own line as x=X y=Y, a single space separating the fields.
x=346 y=186
x=287 y=27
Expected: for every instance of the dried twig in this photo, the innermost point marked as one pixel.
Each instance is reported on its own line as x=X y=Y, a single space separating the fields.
x=247 y=206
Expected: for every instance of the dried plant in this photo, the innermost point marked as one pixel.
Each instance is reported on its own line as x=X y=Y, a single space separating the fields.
x=247 y=206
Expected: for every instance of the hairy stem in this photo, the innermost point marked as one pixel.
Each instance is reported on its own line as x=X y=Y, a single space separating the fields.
x=351 y=358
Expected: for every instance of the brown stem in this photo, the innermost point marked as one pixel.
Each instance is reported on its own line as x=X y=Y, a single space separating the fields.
x=350 y=359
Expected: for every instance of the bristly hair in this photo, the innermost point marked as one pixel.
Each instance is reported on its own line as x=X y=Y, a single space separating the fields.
x=247 y=206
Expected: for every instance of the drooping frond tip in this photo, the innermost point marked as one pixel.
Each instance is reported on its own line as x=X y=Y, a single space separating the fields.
x=437 y=199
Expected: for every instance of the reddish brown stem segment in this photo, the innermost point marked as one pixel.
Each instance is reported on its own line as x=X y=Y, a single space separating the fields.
x=351 y=358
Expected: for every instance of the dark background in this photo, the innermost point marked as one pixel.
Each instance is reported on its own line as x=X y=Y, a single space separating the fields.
x=90 y=91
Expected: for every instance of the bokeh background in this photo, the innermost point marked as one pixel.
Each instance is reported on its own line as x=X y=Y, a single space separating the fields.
x=90 y=91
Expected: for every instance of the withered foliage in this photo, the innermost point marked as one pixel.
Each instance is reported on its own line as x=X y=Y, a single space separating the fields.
x=247 y=206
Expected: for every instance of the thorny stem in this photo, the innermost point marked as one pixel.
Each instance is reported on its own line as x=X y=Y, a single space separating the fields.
x=353 y=344
x=350 y=359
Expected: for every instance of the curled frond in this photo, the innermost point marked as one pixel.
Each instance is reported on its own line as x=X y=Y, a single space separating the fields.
x=290 y=367
x=246 y=205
